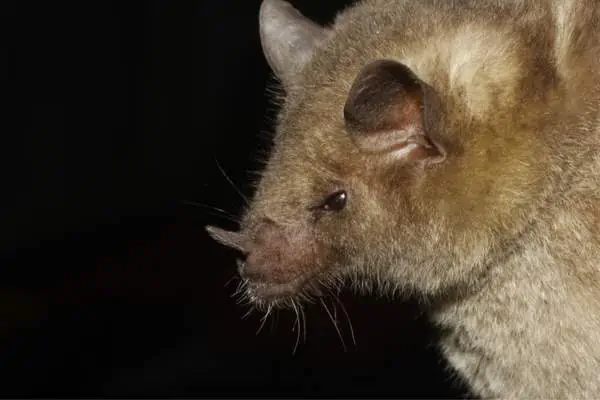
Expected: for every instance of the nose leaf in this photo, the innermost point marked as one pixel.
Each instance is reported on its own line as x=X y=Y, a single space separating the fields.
x=231 y=239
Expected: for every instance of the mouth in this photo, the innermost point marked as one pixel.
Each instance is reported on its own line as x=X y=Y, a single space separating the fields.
x=265 y=293
x=269 y=293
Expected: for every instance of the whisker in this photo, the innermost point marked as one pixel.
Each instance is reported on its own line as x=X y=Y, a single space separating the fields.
x=303 y=318
x=239 y=291
x=233 y=278
x=248 y=313
x=334 y=325
x=231 y=182
x=264 y=319
x=347 y=318
x=335 y=318
x=212 y=210
x=296 y=324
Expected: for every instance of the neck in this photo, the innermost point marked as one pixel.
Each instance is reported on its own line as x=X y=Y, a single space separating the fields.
x=529 y=323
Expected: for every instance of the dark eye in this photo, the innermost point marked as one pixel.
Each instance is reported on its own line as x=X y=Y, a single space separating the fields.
x=334 y=202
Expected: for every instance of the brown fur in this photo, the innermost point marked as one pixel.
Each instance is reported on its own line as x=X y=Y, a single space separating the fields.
x=502 y=237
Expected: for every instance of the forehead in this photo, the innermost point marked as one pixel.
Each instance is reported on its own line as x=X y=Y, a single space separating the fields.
x=314 y=156
x=311 y=130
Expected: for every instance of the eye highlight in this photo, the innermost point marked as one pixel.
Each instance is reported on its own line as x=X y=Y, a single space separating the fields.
x=336 y=201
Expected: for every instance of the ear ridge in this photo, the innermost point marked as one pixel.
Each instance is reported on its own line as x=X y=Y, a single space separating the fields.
x=388 y=110
x=288 y=38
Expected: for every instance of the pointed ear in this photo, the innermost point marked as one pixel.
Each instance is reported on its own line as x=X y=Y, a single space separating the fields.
x=288 y=38
x=389 y=111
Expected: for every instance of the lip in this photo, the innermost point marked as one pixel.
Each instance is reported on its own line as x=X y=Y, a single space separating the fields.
x=267 y=292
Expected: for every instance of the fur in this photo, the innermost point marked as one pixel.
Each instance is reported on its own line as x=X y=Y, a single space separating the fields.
x=501 y=239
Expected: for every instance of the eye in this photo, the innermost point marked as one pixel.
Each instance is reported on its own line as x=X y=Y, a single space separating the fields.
x=333 y=202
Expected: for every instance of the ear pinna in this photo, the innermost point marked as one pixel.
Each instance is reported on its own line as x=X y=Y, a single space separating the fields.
x=389 y=110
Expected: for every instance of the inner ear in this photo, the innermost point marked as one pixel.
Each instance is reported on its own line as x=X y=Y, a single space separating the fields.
x=389 y=110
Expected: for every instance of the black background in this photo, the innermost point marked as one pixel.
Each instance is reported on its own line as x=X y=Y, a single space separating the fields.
x=109 y=286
